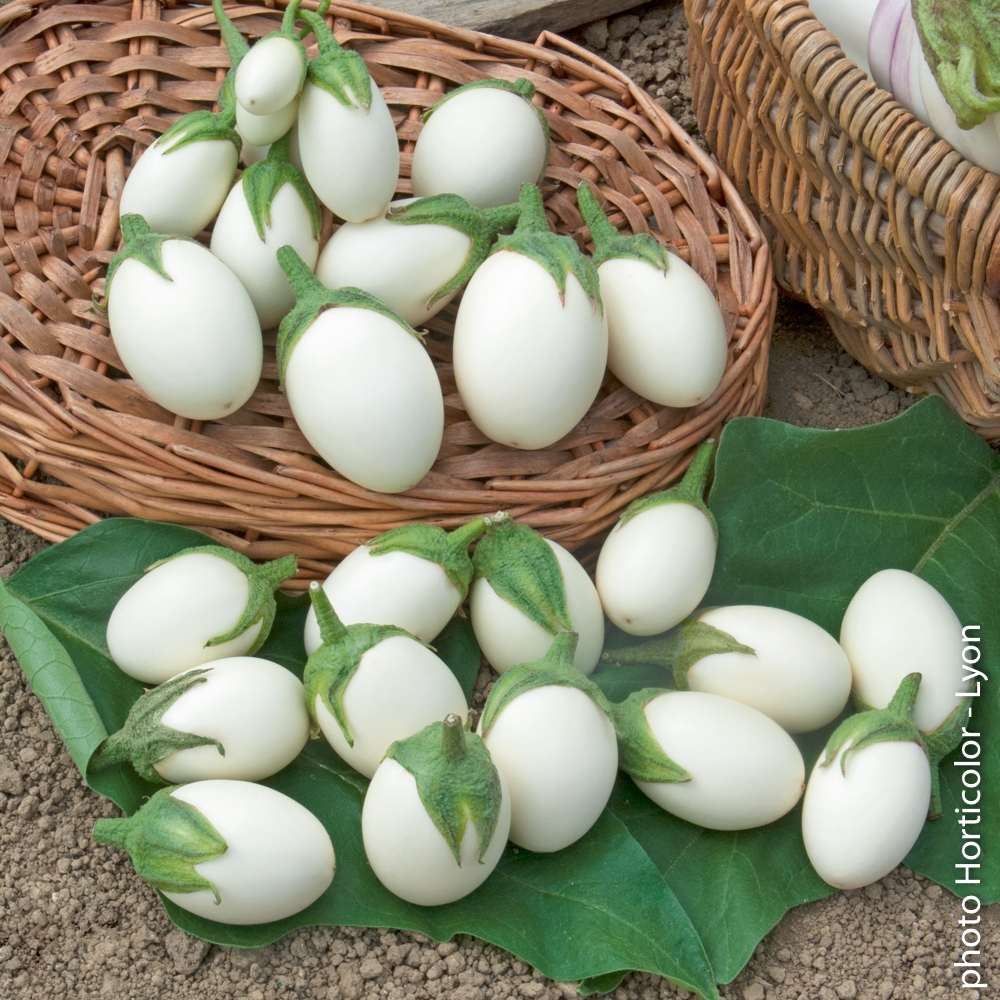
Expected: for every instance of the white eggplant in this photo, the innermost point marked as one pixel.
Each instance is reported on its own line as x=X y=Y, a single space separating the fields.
x=270 y=207
x=531 y=337
x=548 y=731
x=417 y=256
x=231 y=851
x=370 y=685
x=271 y=74
x=346 y=137
x=243 y=718
x=482 y=141
x=436 y=815
x=262 y=130
x=414 y=577
x=202 y=604
x=183 y=324
x=527 y=590
x=656 y=565
x=362 y=388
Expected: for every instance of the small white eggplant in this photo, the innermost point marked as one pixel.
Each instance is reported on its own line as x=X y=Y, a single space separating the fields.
x=709 y=760
x=666 y=336
x=346 y=138
x=414 y=577
x=898 y=623
x=482 y=141
x=202 y=604
x=183 y=324
x=548 y=731
x=271 y=206
x=527 y=590
x=417 y=256
x=231 y=851
x=868 y=794
x=370 y=685
x=436 y=815
x=262 y=130
x=272 y=73
x=657 y=563
x=362 y=388
x=243 y=718
x=531 y=337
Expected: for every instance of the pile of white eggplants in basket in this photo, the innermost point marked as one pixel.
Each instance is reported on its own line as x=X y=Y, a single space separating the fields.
x=537 y=768
x=538 y=324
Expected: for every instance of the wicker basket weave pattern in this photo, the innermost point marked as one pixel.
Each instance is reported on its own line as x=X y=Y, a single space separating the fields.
x=83 y=89
x=872 y=218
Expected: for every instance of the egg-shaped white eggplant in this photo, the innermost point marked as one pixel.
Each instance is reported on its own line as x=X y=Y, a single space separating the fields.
x=868 y=795
x=183 y=324
x=414 y=576
x=242 y=717
x=527 y=590
x=370 y=685
x=709 y=760
x=271 y=206
x=548 y=731
x=271 y=74
x=346 y=137
x=482 y=141
x=262 y=130
x=656 y=564
x=416 y=256
x=531 y=337
x=666 y=336
x=898 y=623
x=436 y=815
x=231 y=851
x=362 y=388
x=201 y=604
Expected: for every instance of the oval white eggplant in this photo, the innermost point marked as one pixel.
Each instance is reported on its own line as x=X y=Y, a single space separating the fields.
x=508 y=637
x=858 y=826
x=482 y=144
x=800 y=676
x=270 y=75
x=350 y=156
x=236 y=243
x=559 y=754
x=161 y=624
x=399 y=687
x=262 y=130
x=666 y=335
x=898 y=624
x=192 y=342
x=180 y=190
x=746 y=771
x=527 y=364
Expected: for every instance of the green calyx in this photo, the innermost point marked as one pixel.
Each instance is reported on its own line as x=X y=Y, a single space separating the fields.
x=141 y=244
x=202 y=126
x=265 y=178
x=457 y=781
x=481 y=225
x=690 y=490
x=559 y=255
x=938 y=744
x=609 y=243
x=263 y=580
x=340 y=72
x=330 y=669
x=165 y=839
x=554 y=669
x=522 y=569
x=237 y=48
x=961 y=42
x=639 y=753
x=449 y=549
x=144 y=740
x=522 y=87
x=312 y=297
x=679 y=650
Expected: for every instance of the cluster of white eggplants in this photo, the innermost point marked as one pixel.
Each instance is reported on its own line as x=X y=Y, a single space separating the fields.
x=537 y=326
x=443 y=800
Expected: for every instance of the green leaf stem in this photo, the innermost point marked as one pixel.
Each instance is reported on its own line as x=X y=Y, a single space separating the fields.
x=609 y=243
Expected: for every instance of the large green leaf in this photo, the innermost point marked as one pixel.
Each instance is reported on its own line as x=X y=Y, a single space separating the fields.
x=555 y=911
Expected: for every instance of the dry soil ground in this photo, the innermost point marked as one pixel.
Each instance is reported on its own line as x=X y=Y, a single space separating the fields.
x=77 y=923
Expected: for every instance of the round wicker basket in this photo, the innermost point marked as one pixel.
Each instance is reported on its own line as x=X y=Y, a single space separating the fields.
x=872 y=218
x=86 y=88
